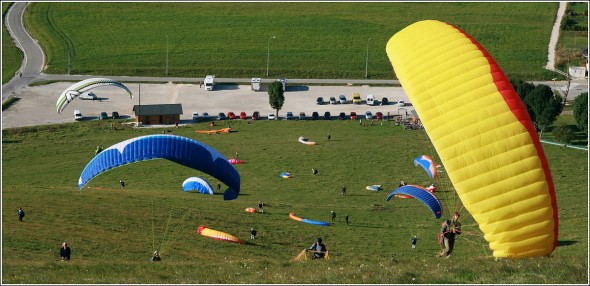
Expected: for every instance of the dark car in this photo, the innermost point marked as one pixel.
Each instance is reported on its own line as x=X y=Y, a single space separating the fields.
x=327 y=115
x=302 y=116
x=205 y=116
x=379 y=115
x=384 y=101
x=243 y=115
x=289 y=115
x=103 y=115
x=342 y=116
x=255 y=115
x=221 y=116
x=352 y=115
x=319 y=100
x=115 y=115
x=231 y=115
x=315 y=115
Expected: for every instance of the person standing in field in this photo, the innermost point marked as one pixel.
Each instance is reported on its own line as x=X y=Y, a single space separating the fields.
x=449 y=229
x=65 y=252
x=21 y=214
x=414 y=240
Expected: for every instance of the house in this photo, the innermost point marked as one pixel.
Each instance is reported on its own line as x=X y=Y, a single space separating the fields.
x=157 y=113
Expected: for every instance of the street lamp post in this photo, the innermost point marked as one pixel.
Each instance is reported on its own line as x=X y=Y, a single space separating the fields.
x=367 y=60
x=166 y=55
x=268 y=55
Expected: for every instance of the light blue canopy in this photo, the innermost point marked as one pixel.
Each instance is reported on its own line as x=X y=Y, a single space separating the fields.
x=420 y=193
x=181 y=150
x=197 y=184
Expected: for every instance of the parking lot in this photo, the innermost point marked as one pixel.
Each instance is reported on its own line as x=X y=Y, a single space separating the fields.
x=37 y=104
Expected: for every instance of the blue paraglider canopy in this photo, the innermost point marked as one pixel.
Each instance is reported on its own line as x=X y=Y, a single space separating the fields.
x=178 y=149
x=423 y=195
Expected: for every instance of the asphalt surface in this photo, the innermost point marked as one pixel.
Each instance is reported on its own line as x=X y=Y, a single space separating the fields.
x=37 y=103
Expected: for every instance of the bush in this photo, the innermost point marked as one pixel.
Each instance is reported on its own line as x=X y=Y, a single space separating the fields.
x=581 y=111
x=564 y=134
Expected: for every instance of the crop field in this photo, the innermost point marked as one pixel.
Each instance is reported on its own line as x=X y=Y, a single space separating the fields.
x=311 y=40
x=113 y=230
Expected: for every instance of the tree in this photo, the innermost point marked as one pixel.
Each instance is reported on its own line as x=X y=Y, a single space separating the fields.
x=564 y=134
x=523 y=88
x=545 y=105
x=276 y=96
x=581 y=111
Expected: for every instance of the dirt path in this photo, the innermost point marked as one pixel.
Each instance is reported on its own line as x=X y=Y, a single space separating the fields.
x=555 y=36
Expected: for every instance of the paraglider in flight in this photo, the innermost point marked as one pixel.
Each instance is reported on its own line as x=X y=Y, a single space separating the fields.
x=196 y=184
x=314 y=222
x=219 y=235
x=428 y=164
x=83 y=86
x=483 y=136
x=181 y=150
x=420 y=193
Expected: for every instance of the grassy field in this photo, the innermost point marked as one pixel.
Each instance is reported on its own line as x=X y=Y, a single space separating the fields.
x=12 y=57
x=313 y=40
x=113 y=231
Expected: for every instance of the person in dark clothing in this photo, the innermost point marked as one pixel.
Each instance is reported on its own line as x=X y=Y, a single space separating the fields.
x=65 y=252
x=156 y=257
x=318 y=248
x=314 y=171
x=252 y=233
x=414 y=240
x=333 y=214
x=218 y=187
x=122 y=184
x=343 y=190
x=402 y=183
x=346 y=219
x=449 y=229
x=21 y=214
x=261 y=207
x=329 y=137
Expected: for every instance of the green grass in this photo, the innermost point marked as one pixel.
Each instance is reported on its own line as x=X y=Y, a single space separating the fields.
x=113 y=231
x=12 y=57
x=313 y=40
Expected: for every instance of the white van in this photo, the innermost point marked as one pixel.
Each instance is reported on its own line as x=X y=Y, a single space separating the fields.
x=77 y=115
x=370 y=99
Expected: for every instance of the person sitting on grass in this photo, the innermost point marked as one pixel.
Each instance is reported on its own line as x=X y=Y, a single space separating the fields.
x=318 y=248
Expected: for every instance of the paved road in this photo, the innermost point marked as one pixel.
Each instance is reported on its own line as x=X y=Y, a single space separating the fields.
x=34 y=59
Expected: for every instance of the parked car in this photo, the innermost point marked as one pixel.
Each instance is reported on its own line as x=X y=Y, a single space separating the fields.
x=231 y=115
x=401 y=103
x=205 y=116
x=77 y=115
x=88 y=96
x=327 y=115
x=379 y=115
x=368 y=114
x=315 y=115
x=115 y=115
x=352 y=115
x=221 y=116
x=384 y=101
x=342 y=116
x=333 y=100
x=342 y=99
x=289 y=115
x=103 y=115
x=370 y=99
x=272 y=116
x=356 y=98
x=319 y=101
x=243 y=115
x=195 y=116
x=302 y=116
x=255 y=115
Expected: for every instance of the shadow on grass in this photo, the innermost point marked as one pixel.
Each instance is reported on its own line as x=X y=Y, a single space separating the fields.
x=566 y=242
